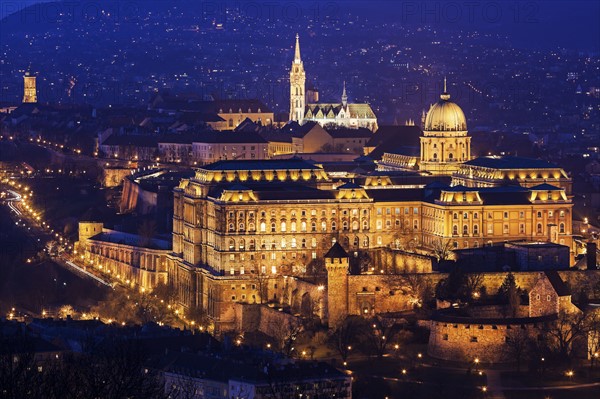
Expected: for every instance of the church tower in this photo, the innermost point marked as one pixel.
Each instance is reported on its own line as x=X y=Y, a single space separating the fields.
x=445 y=143
x=29 y=90
x=297 y=86
x=344 y=97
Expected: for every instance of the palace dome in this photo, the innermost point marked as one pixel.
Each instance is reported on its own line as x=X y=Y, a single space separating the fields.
x=445 y=116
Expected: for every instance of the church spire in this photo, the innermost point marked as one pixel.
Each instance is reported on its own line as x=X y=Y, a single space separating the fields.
x=344 y=96
x=297 y=59
x=445 y=95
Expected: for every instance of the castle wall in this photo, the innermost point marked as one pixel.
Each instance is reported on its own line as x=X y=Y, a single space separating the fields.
x=465 y=341
x=113 y=177
x=264 y=319
x=397 y=261
x=371 y=294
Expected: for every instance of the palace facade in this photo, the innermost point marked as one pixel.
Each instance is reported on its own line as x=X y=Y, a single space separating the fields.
x=238 y=221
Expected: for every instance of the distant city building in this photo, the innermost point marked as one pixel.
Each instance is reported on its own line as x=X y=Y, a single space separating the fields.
x=353 y=115
x=219 y=114
x=29 y=89
x=227 y=377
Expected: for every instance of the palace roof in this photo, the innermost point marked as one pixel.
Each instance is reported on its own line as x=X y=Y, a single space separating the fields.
x=266 y=164
x=119 y=237
x=510 y=162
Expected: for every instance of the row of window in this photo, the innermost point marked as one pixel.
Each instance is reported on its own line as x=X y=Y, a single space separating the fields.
x=313 y=212
x=323 y=225
x=294 y=243
x=505 y=215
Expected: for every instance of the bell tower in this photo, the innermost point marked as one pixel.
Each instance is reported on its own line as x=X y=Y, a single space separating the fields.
x=297 y=86
x=29 y=89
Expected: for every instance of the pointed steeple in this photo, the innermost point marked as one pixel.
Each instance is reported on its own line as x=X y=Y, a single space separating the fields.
x=445 y=95
x=344 y=96
x=297 y=58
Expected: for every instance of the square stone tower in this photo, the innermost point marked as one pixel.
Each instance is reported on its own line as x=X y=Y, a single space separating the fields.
x=337 y=263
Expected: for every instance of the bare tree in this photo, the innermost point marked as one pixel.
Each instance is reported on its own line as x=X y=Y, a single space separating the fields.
x=442 y=248
x=517 y=345
x=345 y=336
x=379 y=333
x=473 y=283
x=286 y=334
x=261 y=280
x=593 y=337
x=565 y=331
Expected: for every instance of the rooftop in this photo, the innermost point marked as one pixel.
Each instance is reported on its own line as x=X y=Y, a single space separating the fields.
x=510 y=162
x=272 y=164
x=119 y=237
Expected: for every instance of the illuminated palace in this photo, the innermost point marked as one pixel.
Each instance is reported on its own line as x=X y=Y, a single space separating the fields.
x=241 y=229
x=235 y=221
x=302 y=107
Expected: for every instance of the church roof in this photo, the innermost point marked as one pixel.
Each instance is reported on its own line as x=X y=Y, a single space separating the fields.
x=356 y=110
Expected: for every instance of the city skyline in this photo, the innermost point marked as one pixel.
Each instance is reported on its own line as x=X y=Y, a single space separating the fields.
x=368 y=200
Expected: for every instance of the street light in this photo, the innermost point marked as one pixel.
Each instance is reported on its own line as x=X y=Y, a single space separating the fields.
x=570 y=374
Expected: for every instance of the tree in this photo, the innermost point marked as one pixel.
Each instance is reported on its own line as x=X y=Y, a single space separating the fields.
x=65 y=311
x=18 y=372
x=593 y=332
x=261 y=280
x=417 y=289
x=442 y=249
x=345 y=335
x=165 y=292
x=509 y=293
x=565 y=331
x=453 y=287
x=517 y=345
x=286 y=333
x=405 y=239
x=378 y=333
x=474 y=284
